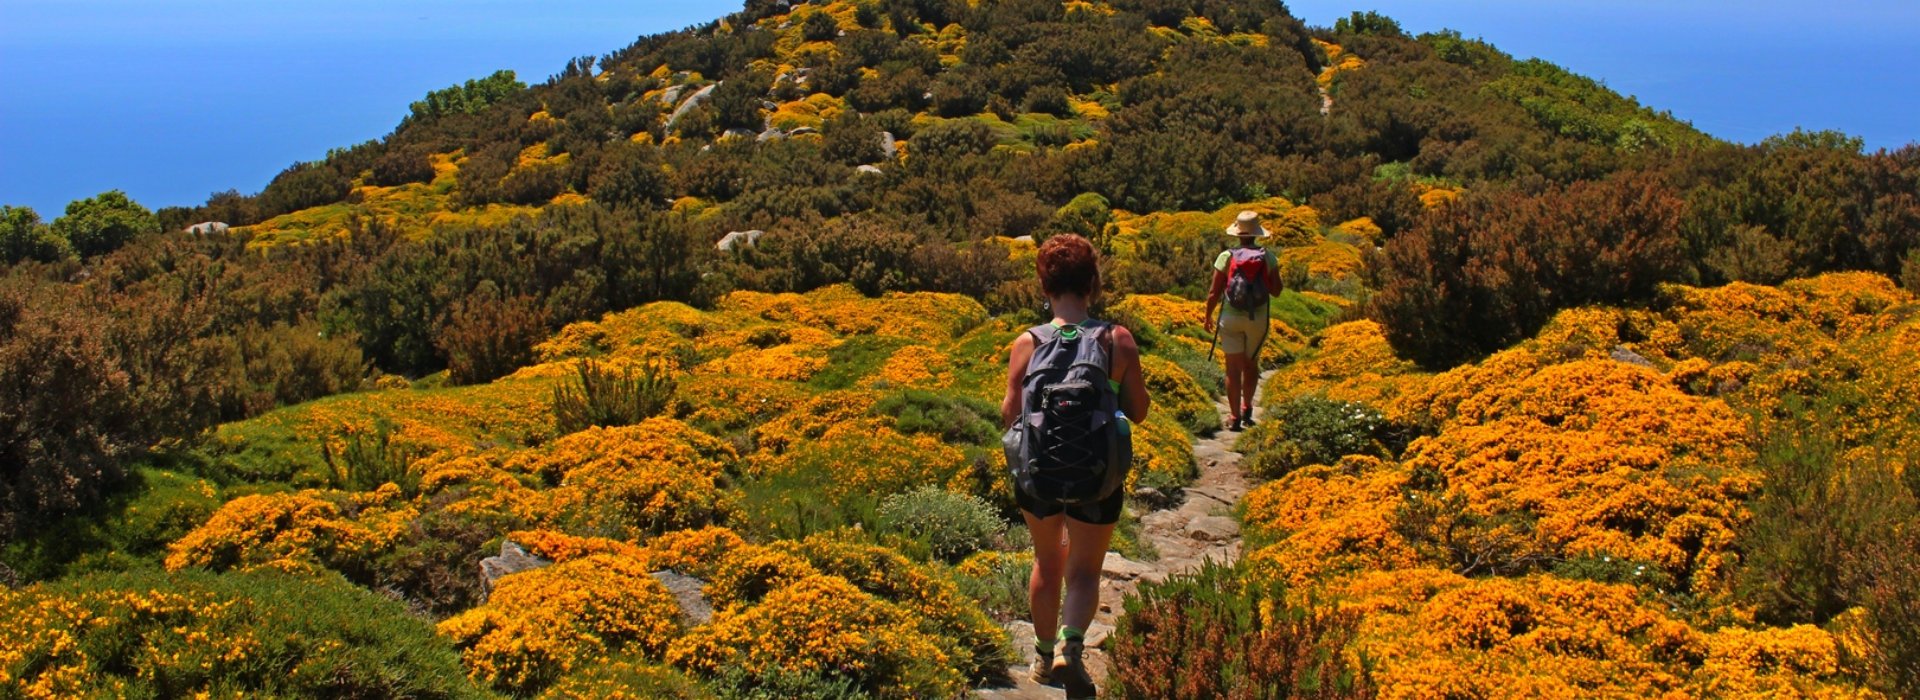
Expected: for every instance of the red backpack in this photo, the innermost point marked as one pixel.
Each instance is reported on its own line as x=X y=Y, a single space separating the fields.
x=1247 y=280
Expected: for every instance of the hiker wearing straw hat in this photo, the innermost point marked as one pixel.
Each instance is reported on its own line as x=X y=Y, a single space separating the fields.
x=1244 y=276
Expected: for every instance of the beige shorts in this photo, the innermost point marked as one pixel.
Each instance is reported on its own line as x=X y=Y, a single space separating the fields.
x=1240 y=335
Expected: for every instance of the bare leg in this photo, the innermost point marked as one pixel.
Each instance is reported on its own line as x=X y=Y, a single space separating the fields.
x=1234 y=375
x=1049 y=567
x=1249 y=381
x=1086 y=556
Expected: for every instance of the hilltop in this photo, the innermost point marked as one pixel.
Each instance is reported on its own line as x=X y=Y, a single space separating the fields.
x=1567 y=398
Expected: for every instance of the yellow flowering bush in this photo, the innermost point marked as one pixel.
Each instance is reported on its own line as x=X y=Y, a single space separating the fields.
x=862 y=458
x=307 y=526
x=811 y=419
x=747 y=574
x=696 y=553
x=975 y=644
x=561 y=547
x=1352 y=362
x=1176 y=393
x=540 y=624
x=1434 y=635
x=626 y=679
x=182 y=634
x=728 y=402
x=823 y=625
x=915 y=366
x=652 y=477
x=1162 y=454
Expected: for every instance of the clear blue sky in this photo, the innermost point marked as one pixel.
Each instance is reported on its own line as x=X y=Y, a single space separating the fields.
x=173 y=100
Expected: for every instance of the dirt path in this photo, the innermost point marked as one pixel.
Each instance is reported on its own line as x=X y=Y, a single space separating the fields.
x=1196 y=527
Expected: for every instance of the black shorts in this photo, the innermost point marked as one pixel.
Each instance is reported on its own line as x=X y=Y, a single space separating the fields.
x=1105 y=511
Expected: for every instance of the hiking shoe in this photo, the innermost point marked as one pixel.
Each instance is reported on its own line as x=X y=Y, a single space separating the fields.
x=1246 y=418
x=1235 y=426
x=1070 y=669
x=1042 y=670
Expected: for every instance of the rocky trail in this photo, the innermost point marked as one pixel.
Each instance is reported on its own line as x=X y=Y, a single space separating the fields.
x=1195 y=525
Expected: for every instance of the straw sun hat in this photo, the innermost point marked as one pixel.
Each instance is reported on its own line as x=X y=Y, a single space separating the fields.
x=1248 y=224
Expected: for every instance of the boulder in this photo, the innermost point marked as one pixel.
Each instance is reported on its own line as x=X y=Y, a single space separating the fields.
x=1147 y=496
x=208 y=227
x=1622 y=354
x=671 y=95
x=1120 y=567
x=513 y=559
x=770 y=135
x=888 y=146
x=868 y=169
x=798 y=130
x=739 y=133
x=1213 y=528
x=692 y=101
x=694 y=608
x=744 y=239
x=1097 y=634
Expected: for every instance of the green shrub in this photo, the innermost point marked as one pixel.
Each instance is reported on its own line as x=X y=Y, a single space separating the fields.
x=998 y=581
x=366 y=460
x=153 y=634
x=955 y=418
x=24 y=237
x=104 y=222
x=1207 y=635
x=952 y=525
x=1317 y=430
x=735 y=683
x=431 y=564
x=1820 y=515
x=607 y=398
x=792 y=505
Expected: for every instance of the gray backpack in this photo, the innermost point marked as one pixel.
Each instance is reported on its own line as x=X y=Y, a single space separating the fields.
x=1070 y=445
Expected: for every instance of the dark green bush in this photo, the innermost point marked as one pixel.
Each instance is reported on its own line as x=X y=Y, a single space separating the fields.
x=1207 y=635
x=605 y=397
x=432 y=564
x=486 y=337
x=24 y=237
x=952 y=525
x=176 y=634
x=304 y=185
x=105 y=222
x=400 y=166
x=289 y=364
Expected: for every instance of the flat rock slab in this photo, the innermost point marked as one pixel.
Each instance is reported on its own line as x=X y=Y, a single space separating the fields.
x=1213 y=528
x=1120 y=567
x=694 y=608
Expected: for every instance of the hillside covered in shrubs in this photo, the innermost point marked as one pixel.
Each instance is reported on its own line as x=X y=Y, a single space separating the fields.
x=1570 y=398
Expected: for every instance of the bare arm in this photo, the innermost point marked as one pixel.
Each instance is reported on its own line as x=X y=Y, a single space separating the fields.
x=1214 y=293
x=1010 y=405
x=1133 y=387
